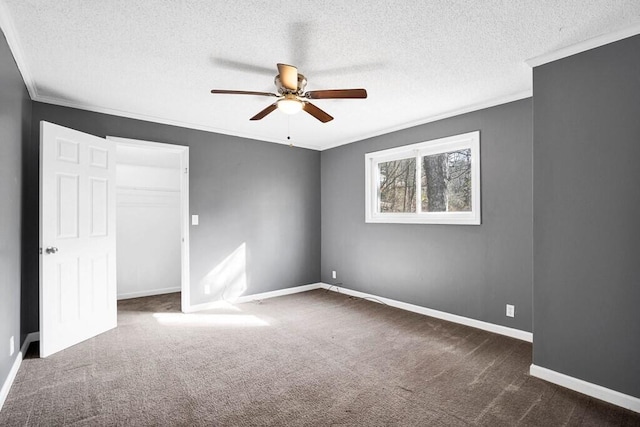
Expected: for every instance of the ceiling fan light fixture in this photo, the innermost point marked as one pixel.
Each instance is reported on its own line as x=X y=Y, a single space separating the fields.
x=289 y=105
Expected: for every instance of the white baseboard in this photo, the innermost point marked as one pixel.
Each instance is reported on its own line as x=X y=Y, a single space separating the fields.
x=261 y=296
x=498 y=329
x=139 y=294
x=278 y=293
x=491 y=327
x=4 y=392
x=584 y=387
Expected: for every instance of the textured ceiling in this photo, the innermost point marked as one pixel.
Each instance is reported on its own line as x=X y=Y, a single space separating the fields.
x=418 y=60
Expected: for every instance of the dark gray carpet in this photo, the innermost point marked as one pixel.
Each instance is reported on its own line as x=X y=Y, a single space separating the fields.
x=313 y=359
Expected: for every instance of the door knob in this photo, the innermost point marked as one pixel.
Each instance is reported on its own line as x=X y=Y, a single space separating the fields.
x=51 y=250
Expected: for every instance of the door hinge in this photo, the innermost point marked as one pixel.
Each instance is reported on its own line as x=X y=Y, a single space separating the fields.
x=40 y=251
x=186 y=170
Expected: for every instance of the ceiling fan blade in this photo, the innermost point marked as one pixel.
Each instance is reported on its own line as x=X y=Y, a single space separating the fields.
x=241 y=92
x=336 y=93
x=264 y=112
x=288 y=76
x=316 y=112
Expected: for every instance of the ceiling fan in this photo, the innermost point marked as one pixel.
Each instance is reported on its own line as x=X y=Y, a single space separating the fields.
x=292 y=97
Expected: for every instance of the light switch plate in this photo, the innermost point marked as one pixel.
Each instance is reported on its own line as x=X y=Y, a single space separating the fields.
x=511 y=310
x=195 y=219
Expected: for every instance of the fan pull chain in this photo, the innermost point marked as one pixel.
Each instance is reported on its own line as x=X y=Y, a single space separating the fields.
x=289 y=131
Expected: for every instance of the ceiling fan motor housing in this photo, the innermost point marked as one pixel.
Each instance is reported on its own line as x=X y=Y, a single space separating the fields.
x=302 y=83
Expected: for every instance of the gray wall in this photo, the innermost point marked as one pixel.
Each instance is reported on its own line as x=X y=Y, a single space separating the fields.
x=261 y=194
x=15 y=119
x=472 y=271
x=586 y=222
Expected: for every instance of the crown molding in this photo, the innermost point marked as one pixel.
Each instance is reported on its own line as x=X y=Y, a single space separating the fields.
x=468 y=109
x=494 y=102
x=13 y=40
x=583 y=46
x=165 y=121
x=10 y=33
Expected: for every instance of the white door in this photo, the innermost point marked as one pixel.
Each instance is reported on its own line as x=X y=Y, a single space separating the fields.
x=77 y=237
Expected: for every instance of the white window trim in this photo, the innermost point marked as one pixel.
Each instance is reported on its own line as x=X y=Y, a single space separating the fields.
x=469 y=140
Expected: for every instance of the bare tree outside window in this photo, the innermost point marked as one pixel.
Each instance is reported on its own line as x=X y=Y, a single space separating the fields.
x=398 y=185
x=430 y=182
x=446 y=182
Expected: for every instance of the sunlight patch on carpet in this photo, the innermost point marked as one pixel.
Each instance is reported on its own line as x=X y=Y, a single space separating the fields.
x=243 y=320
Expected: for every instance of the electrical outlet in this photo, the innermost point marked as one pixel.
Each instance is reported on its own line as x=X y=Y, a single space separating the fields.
x=334 y=275
x=511 y=310
x=12 y=346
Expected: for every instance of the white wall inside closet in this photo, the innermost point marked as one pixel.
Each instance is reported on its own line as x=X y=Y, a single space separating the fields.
x=148 y=221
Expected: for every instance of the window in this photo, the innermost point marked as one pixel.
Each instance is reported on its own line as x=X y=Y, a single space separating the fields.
x=432 y=182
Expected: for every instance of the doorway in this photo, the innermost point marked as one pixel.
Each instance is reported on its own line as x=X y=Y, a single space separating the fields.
x=152 y=212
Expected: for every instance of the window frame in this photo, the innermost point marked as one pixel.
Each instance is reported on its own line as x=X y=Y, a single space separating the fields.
x=470 y=140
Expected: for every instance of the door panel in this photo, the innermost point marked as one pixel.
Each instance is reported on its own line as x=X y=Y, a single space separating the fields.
x=67 y=205
x=77 y=237
x=99 y=207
